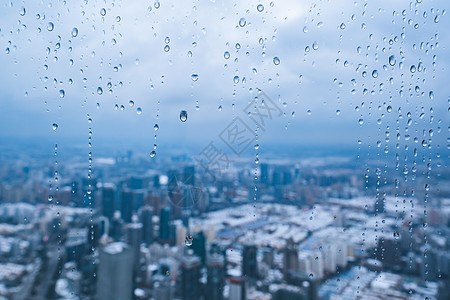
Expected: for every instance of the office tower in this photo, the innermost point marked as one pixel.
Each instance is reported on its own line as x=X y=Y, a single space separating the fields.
x=216 y=277
x=199 y=246
x=156 y=183
x=308 y=285
x=134 y=238
x=138 y=200
x=317 y=265
x=249 y=263
x=108 y=200
x=116 y=227
x=264 y=174
x=135 y=183
x=164 y=220
x=290 y=257
x=238 y=287
x=162 y=289
x=146 y=218
x=289 y=292
x=189 y=176
x=190 y=278
x=268 y=256
x=126 y=205
x=115 y=272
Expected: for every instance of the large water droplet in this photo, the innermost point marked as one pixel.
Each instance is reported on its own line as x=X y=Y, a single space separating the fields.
x=156 y=127
x=194 y=77
x=103 y=11
x=188 y=240
x=260 y=7
x=166 y=48
x=22 y=11
x=392 y=60
x=226 y=55
x=50 y=198
x=55 y=126
x=50 y=26
x=315 y=45
x=183 y=116
x=242 y=22
x=276 y=60
x=236 y=79
x=62 y=93
x=74 y=32
x=153 y=154
x=374 y=73
x=139 y=110
x=99 y=90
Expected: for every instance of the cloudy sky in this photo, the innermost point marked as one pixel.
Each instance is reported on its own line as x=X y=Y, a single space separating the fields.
x=341 y=71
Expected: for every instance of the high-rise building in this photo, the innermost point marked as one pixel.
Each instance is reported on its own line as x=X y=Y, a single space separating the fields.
x=264 y=174
x=290 y=257
x=146 y=218
x=249 y=262
x=189 y=176
x=126 y=205
x=134 y=239
x=216 y=277
x=116 y=227
x=162 y=289
x=115 y=272
x=164 y=224
x=108 y=200
x=190 y=278
x=238 y=286
x=199 y=246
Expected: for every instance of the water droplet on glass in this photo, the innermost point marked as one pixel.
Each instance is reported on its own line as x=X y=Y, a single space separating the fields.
x=431 y=95
x=62 y=93
x=374 y=73
x=342 y=26
x=183 y=116
x=396 y=235
x=50 y=198
x=139 y=110
x=103 y=11
x=260 y=7
x=131 y=103
x=166 y=48
x=226 y=55
x=153 y=154
x=188 y=240
x=74 y=32
x=242 y=22
x=220 y=108
x=55 y=126
x=156 y=127
x=236 y=79
x=338 y=112
x=194 y=77
x=392 y=60
x=315 y=45
x=99 y=90
x=389 y=109
x=22 y=11
x=50 y=26
x=276 y=60
x=412 y=69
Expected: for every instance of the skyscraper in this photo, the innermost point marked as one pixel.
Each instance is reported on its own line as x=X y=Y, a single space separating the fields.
x=164 y=226
x=249 y=263
x=190 y=278
x=126 y=205
x=290 y=257
x=108 y=200
x=134 y=238
x=216 y=277
x=115 y=272
x=145 y=217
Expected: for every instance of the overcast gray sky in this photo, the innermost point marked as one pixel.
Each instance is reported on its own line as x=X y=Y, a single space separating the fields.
x=323 y=47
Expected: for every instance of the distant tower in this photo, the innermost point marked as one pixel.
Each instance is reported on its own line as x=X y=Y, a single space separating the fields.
x=249 y=263
x=126 y=205
x=190 y=278
x=115 y=272
x=238 y=287
x=290 y=257
x=116 y=227
x=145 y=217
x=134 y=239
x=108 y=200
x=164 y=224
x=216 y=277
